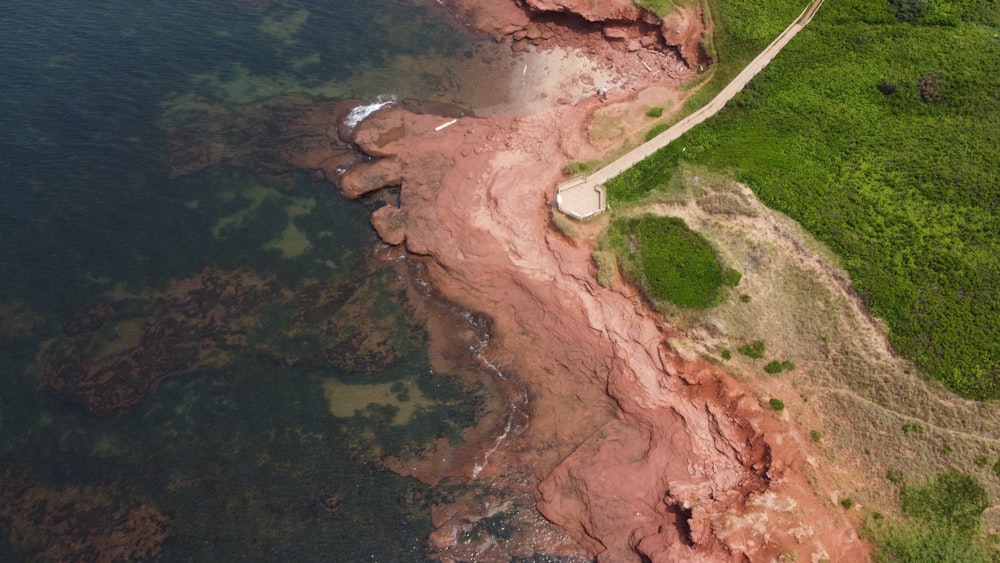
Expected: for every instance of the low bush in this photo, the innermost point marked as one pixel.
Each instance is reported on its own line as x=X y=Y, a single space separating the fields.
x=774 y=366
x=672 y=263
x=732 y=277
x=654 y=112
x=754 y=349
x=574 y=168
x=777 y=404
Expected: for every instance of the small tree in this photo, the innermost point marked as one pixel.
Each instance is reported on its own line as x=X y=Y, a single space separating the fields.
x=887 y=88
x=754 y=349
x=909 y=10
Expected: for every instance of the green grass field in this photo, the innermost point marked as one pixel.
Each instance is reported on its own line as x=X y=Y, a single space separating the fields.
x=882 y=139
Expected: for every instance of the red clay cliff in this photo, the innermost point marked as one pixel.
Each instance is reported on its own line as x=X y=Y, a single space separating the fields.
x=633 y=449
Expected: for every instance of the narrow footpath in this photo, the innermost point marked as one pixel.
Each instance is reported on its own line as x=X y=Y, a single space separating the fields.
x=584 y=197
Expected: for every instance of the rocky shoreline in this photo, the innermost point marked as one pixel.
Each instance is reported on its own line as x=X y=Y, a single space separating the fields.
x=630 y=449
x=635 y=450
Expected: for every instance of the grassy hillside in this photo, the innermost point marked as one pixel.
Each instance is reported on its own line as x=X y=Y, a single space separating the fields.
x=882 y=138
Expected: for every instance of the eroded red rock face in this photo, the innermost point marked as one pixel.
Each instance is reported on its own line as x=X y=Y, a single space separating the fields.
x=619 y=23
x=631 y=448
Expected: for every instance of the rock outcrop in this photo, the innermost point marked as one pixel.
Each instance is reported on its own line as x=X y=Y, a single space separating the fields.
x=627 y=26
x=366 y=177
x=389 y=222
x=609 y=10
x=635 y=450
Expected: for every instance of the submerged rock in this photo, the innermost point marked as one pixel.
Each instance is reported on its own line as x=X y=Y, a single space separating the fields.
x=90 y=523
x=389 y=223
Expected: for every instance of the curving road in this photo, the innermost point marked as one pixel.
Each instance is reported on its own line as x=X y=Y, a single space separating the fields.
x=584 y=197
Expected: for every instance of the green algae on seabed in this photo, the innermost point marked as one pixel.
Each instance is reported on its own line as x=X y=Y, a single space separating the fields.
x=285 y=28
x=245 y=453
x=254 y=195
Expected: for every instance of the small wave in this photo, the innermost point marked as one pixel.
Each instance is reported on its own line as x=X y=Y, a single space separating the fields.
x=358 y=114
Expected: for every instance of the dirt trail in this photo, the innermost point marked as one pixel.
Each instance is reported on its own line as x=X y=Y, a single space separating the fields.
x=643 y=151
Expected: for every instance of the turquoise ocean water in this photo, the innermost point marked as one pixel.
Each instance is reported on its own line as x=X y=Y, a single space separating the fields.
x=253 y=298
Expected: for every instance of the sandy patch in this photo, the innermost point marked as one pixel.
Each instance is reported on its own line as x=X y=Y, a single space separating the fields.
x=292 y=241
x=346 y=400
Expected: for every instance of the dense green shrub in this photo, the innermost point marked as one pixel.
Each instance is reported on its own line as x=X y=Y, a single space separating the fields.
x=754 y=349
x=673 y=263
x=654 y=112
x=732 y=277
x=776 y=404
x=776 y=366
x=815 y=435
x=954 y=500
x=909 y=10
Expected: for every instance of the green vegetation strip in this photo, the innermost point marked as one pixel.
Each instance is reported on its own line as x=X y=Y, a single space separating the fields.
x=880 y=138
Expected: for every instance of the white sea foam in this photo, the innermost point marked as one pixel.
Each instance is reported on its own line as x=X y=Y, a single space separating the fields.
x=496 y=444
x=358 y=114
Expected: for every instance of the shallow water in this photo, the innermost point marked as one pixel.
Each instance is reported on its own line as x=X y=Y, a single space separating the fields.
x=252 y=301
